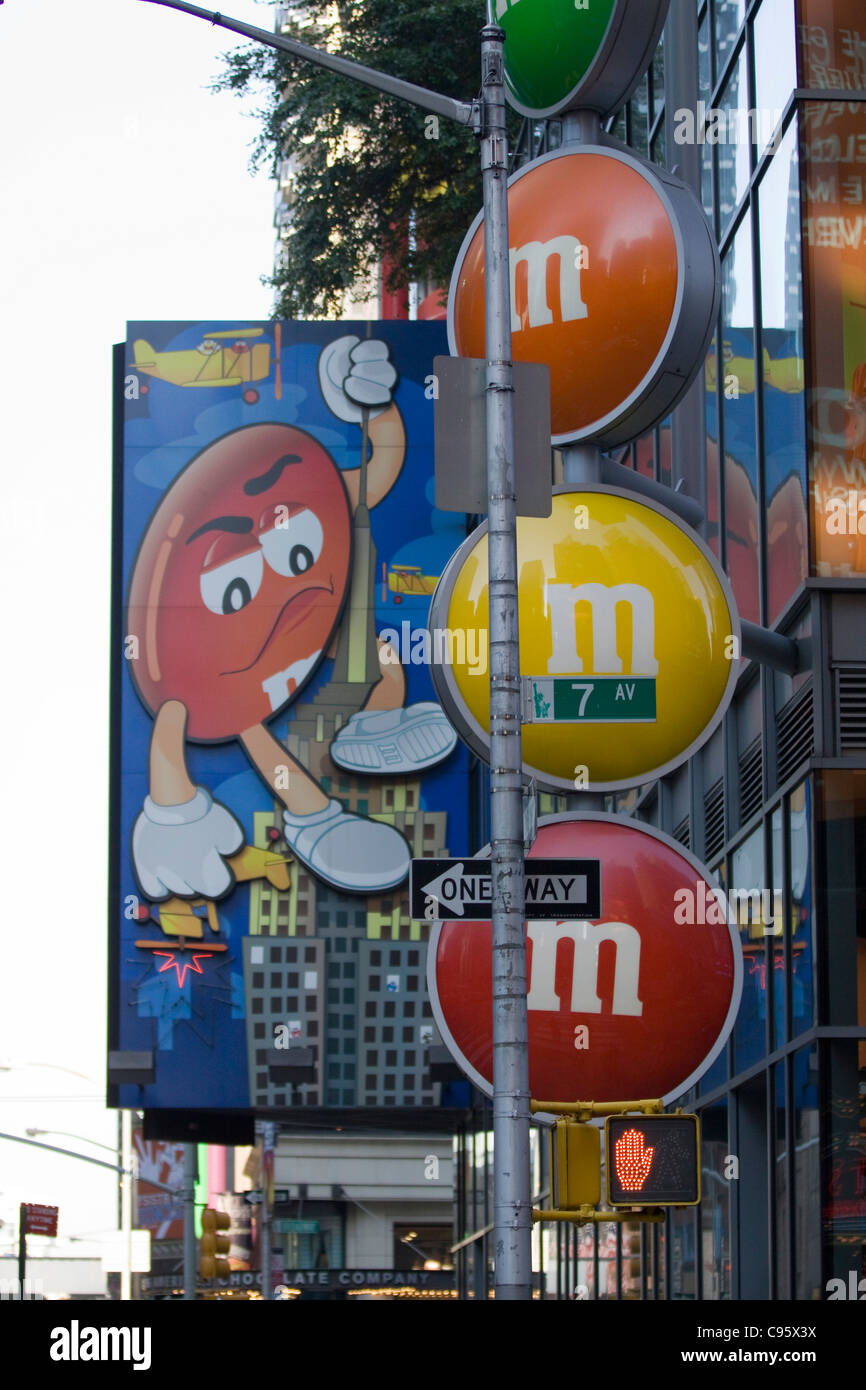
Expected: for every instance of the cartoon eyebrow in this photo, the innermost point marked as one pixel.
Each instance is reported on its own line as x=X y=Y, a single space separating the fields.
x=266 y=480
x=238 y=524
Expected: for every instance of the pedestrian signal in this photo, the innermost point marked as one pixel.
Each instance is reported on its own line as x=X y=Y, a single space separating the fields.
x=652 y=1160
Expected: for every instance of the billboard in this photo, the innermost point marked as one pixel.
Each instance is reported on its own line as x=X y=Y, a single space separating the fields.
x=278 y=755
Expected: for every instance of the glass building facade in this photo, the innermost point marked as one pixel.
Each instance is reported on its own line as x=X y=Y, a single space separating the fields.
x=762 y=107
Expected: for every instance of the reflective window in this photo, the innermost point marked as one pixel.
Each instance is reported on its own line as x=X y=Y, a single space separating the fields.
x=658 y=80
x=657 y=153
x=832 y=44
x=746 y=897
x=776 y=939
x=738 y=401
x=716 y=1178
x=728 y=129
x=833 y=141
x=707 y=192
x=843 y=843
x=711 y=409
x=775 y=65
x=684 y=1282
x=784 y=423
x=729 y=16
x=638 y=119
x=716 y=1075
x=704 y=73
x=802 y=926
x=807 y=1176
x=844 y=1167
x=780 y=1182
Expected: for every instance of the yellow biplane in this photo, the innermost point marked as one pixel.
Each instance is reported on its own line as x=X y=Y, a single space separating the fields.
x=222 y=358
x=408 y=579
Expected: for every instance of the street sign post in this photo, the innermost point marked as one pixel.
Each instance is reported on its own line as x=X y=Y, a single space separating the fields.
x=638 y=1002
x=629 y=641
x=462 y=889
x=34 y=1219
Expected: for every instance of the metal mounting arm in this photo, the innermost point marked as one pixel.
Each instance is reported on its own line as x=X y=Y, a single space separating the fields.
x=464 y=112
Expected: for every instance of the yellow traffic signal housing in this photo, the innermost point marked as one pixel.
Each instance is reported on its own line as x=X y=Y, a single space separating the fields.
x=213 y=1247
x=575 y=1164
x=652 y=1160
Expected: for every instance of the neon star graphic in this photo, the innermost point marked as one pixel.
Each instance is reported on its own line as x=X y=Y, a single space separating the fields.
x=182 y=968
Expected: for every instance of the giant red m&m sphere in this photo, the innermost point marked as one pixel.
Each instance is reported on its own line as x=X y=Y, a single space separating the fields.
x=634 y=1005
x=240 y=578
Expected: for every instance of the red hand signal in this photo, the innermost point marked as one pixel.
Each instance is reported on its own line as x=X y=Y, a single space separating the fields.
x=632 y=1160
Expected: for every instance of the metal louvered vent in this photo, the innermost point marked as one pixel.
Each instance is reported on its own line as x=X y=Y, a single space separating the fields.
x=682 y=832
x=751 y=768
x=851 y=709
x=714 y=820
x=795 y=735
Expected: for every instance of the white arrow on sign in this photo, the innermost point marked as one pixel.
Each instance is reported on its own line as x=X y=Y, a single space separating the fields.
x=436 y=889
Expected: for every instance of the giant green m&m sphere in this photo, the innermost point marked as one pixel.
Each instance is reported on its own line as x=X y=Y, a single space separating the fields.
x=561 y=54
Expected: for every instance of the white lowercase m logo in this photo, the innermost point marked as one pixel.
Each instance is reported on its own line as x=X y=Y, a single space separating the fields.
x=586 y=938
x=536 y=254
x=562 y=600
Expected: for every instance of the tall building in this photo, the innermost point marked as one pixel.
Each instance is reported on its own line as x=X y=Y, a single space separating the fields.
x=760 y=103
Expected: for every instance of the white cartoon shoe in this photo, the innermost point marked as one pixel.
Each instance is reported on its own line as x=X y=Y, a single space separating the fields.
x=394 y=740
x=349 y=852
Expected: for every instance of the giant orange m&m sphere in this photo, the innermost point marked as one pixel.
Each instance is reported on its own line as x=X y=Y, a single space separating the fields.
x=613 y=283
x=240 y=578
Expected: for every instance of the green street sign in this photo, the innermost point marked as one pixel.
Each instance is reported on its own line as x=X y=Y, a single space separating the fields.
x=560 y=54
x=287 y=1226
x=591 y=700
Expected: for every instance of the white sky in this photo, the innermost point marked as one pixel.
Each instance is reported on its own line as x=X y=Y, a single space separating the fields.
x=124 y=193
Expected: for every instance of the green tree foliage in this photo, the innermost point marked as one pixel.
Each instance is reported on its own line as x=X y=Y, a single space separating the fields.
x=363 y=162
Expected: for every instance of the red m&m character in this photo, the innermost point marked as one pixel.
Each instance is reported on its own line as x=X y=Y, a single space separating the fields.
x=235 y=595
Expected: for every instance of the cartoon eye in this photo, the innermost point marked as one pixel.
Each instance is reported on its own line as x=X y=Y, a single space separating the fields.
x=295 y=547
x=230 y=587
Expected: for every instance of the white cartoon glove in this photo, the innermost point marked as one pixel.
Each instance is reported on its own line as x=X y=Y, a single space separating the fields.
x=355 y=375
x=178 y=849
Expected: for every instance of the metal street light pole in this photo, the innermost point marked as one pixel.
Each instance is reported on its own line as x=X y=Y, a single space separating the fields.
x=86 y=1158
x=512 y=1208
x=511 y=1194
x=49 y=1066
x=32 y=1132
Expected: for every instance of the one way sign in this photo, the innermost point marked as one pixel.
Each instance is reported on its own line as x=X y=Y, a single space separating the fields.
x=463 y=888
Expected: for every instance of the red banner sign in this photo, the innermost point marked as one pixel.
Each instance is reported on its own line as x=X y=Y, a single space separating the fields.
x=38 y=1220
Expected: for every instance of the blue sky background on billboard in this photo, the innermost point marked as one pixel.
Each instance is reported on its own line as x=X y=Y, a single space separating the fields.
x=127 y=194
